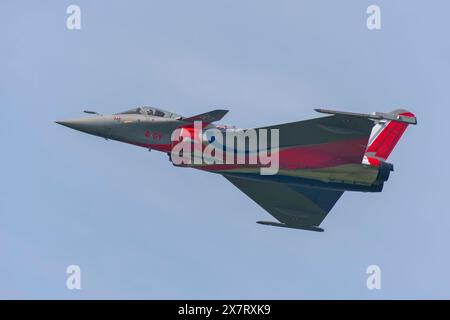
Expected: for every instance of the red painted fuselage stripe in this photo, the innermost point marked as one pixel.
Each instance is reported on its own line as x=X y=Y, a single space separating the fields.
x=311 y=156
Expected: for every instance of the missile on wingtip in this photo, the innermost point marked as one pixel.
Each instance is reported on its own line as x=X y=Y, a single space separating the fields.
x=373 y=116
x=283 y=225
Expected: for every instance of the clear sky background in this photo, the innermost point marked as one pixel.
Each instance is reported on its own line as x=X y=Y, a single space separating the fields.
x=139 y=227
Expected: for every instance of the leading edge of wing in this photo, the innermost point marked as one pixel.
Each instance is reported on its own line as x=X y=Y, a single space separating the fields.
x=323 y=130
x=325 y=141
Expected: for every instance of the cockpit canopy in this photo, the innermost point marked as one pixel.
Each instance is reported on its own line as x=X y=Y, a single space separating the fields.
x=150 y=111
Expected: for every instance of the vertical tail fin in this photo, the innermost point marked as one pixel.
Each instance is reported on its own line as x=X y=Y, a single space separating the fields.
x=385 y=135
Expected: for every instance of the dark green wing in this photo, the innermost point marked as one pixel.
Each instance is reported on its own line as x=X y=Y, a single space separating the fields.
x=294 y=206
x=323 y=130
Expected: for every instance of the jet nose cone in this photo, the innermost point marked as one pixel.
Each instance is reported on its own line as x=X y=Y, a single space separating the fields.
x=93 y=126
x=66 y=123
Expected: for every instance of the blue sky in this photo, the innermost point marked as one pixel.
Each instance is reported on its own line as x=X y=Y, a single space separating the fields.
x=139 y=227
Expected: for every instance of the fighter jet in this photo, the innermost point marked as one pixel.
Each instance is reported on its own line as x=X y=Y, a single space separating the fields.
x=317 y=159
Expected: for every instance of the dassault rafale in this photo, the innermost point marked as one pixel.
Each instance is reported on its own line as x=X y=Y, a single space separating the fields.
x=296 y=171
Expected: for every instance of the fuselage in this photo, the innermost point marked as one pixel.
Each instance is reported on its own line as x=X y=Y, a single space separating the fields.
x=296 y=171
x=309 y=165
